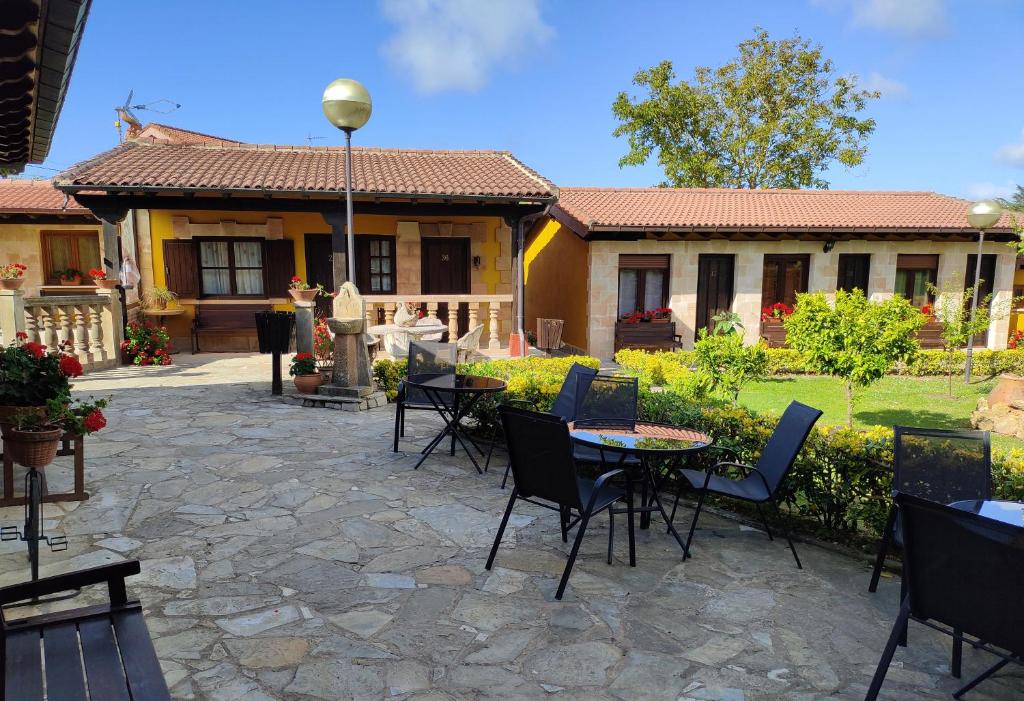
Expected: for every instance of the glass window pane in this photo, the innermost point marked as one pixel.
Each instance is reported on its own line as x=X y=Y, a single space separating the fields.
x=654 y=286
x=88 y=252
x=216 y=281
x=920 y=297
x=375 y=283
x=213 y=254
x=249 y=282
x=248 y=254
x=374 y=248
x=385 y=265
x=375 y=265
x=901 y=283
x=60 y=253
x=385 y=248
x=627 y=292
x=385 y=284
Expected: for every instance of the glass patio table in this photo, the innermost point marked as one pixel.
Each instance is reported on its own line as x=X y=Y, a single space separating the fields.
x=1011 y=512
x=647 y=441
x=453 y=397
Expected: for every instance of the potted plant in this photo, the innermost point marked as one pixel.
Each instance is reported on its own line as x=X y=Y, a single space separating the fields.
x=31 y=376
x=146 y=343
x=307 y=377
x=34 y=436
x=70 y=276
x=99 y=276
x=302 y=292
x=12 y=276
x=633 y=318
x=158 y=298
x=661 y=315
x=772 y=318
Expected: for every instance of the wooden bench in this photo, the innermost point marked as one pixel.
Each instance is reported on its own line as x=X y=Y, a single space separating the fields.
x=646 y=336
x=104 y=648
x=224 y=317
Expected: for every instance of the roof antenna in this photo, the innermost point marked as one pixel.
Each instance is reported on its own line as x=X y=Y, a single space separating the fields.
x=124 y=113
x=310 y=138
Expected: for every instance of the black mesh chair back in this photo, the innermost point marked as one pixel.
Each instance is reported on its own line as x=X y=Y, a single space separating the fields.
x=428 y=358
x=540 y=451
x=607 y=401
x=786 y=440
x=964 y=570
x=578 y=379
x=942 y=466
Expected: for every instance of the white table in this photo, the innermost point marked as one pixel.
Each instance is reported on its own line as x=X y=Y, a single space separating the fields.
x=396 y=338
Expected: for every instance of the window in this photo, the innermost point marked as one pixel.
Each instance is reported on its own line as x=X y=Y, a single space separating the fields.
x=643 y=283
x=69 y=249
x=231 y=267
x=853 y=272
x=375 y=264
x=913 y=275
x=783 y=277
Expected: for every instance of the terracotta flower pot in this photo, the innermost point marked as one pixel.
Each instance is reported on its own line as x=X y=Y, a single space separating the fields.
x=33 y=448
x=304 y=295
x=159 y=304
x=106 y=284
x=660 y=320
x=308 y=384
x=12 y=283
x=68 y=282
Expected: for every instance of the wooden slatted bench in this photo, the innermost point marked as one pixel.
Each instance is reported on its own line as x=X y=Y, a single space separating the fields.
x=225 y=317
x=105 y=649
x=646 y=336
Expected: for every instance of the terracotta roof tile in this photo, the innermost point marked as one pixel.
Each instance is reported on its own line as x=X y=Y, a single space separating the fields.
x=693 y=208
x=243 y=167
x=24 y=196
x=164 y=133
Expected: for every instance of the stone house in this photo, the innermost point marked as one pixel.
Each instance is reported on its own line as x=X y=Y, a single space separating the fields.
x=600 y=254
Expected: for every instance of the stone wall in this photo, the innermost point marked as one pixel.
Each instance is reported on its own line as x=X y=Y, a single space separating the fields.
x=22 y=243
x=604 y=260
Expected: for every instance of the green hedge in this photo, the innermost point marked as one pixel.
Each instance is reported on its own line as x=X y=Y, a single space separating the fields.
x=786 y=361
x=840 y=485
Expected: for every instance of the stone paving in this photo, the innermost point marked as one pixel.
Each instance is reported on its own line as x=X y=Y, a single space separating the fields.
x=287 y=553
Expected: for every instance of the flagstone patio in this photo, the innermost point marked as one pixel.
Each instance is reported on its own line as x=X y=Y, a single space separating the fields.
x=287 y=553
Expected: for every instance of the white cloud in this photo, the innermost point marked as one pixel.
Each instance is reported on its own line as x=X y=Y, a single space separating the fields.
x=1012 y=154
x=910 y=17
x=456 y=44
x=887 y=86
x=985 y=191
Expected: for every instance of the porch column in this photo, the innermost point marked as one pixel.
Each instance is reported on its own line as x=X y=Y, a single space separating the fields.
x=339 y=256
x=303 y=326
x=12 y=314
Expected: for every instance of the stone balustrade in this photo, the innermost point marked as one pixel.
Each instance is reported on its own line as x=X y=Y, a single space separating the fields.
x=494 y=311
x=89 y=326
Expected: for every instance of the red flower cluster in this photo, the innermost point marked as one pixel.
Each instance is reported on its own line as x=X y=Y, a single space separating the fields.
x=94 y=420
x=1016 y=340
x=928 y=310
x=36 y=350
x=296 y=278
x=21 y=336
x=98 y=274
x=70 y=366
x=13 y=271
x=779 y=310
x=303 y=356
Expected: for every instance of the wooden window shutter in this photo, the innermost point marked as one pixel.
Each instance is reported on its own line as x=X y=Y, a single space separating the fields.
x=648 y=262
x=914 y=261
x=181 y=268
x=280 y=266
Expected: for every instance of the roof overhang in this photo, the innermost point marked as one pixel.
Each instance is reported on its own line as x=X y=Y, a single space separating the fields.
x=39 y=42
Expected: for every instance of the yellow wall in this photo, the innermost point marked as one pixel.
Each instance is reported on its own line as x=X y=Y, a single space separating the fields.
x=21 y=243
x=556 y=266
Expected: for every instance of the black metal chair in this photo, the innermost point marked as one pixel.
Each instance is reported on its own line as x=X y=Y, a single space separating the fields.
x=758 y=484
x=578 y=378
x=938 y=465
x=965 y=577
x=545 y=475
x=607 y=400
x=425 y=357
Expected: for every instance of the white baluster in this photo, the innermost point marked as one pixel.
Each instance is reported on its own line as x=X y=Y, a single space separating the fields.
x=66 y=332
x=474 y=314
x=389 y=313
x=453 y=322
x=492 y=326
x=81 y=334
x=32 y=320
x=432 y=310
x=371 y=315
x=96 y=333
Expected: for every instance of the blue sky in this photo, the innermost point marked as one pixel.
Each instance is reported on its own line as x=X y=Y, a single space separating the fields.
x=538 y=76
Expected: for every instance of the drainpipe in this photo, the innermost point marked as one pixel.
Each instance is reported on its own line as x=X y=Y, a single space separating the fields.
x=523 y=223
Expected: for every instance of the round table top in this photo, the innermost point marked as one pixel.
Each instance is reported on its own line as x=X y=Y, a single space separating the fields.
x=468 y=384
x=649 y=438
x=163 y=312
x=1011 y=512
x=425 y=330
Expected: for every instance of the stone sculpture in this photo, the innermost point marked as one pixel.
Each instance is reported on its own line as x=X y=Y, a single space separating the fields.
x=352 y=371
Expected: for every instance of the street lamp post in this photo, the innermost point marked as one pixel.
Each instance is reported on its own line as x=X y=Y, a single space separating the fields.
x=347 y=105
x=981 y=216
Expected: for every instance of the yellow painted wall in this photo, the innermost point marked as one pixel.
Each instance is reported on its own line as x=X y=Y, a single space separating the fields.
x=1016 y=318
x=556 y=269
x=22 y=243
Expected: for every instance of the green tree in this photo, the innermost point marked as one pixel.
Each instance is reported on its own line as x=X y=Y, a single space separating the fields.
x=952 y=309
x=1015 y=201
x=728 y=363
x=853 y=338
x=775 y=116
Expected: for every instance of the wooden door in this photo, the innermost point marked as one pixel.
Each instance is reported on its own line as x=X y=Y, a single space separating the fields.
x=988 y=279
x=783 y=278
x=319 y=269
x=714 y=288
x=445 y=271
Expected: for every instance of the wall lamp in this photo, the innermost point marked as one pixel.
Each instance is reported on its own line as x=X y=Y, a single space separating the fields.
x=829 y=245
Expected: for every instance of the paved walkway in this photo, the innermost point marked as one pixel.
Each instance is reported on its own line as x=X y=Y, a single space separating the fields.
x=287 y=553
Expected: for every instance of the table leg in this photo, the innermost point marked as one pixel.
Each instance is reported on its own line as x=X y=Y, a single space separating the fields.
x=452 y=418
x=649 y=476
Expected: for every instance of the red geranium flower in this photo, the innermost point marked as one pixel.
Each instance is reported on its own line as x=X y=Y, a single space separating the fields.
x=21 y=336
x=94 y=421
x=303 y=356
x=70 y=366
x=36 y=350
x=296 y=278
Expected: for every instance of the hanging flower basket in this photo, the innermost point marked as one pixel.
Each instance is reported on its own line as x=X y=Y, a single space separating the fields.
x=33 y=448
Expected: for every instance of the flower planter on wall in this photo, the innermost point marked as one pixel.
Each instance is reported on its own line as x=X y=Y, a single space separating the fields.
x=773 y=332
x=930 y=335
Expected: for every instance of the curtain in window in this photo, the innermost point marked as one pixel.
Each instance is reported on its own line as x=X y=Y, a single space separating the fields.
x=249 y=267
x=60 y=253
x=88 y=252
x=654 y=289
x=627 y=292
x=213 y=259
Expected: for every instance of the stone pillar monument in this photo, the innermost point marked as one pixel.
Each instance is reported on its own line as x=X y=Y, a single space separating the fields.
x=352 y=375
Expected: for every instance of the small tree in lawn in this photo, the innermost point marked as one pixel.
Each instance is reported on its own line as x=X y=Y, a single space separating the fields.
x=725 y=360
x=952 y=309
x=853 y=338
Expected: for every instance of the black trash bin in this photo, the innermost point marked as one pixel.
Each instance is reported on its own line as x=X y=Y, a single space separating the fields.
x=274 y=332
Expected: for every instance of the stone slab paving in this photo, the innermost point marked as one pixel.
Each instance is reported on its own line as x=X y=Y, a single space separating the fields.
x=287 y=553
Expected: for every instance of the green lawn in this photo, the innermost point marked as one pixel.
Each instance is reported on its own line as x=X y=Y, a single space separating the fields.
x=908 y=401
